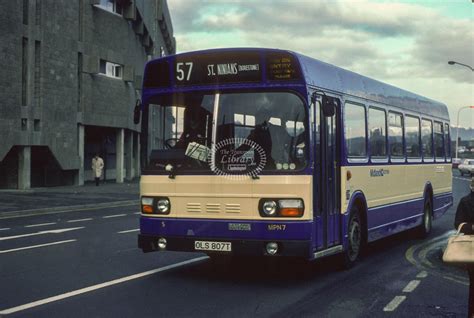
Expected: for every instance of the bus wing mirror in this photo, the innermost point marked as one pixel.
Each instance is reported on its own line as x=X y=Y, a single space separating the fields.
x=137 y=112
x=328 y=106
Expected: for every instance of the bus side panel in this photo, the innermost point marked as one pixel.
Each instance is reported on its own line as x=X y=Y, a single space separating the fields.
x=395 y=194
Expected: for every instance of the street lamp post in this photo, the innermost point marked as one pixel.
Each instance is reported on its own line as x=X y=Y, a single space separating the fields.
x=454 y=62
x=457 y=127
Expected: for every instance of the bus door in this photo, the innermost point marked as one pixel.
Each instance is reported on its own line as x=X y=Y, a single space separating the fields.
x=326 y=172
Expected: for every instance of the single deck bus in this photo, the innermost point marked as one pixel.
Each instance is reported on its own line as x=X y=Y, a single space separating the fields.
x=269 y=152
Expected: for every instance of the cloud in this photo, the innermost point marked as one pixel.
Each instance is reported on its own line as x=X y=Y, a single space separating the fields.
x=398 y=43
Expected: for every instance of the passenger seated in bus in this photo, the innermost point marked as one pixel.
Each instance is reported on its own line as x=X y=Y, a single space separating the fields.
x=196 y=119
x=274 y=139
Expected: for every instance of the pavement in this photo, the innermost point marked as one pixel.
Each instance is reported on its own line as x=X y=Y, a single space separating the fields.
x=17 y=203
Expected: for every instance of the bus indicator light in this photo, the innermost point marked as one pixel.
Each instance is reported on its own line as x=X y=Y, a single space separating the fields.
x=291 y=212
x=147 y=209
x=147 y=205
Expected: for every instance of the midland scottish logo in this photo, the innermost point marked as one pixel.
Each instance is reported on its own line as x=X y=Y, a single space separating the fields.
x=379 y=172
x=237 y=158
x=240 y=227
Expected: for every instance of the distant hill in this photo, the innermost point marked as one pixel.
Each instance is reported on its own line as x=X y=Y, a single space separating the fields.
x=464 y=134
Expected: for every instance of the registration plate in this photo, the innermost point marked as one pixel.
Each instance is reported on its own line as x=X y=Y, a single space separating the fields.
x=213 y=246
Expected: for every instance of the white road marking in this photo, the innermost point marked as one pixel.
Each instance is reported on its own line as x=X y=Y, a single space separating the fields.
x=113 y=216
x=96 y=287
x=137 y=213
x=34 y=246
x=411 y=286
x=40 y=233
x=129 y=231
x=396 y=301
x=42 y=224
x=5 y=229
x=80 y=220
x=422 y=274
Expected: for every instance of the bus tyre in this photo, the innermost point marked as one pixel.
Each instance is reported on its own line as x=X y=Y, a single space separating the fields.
x=425 y=228
x=354 y=239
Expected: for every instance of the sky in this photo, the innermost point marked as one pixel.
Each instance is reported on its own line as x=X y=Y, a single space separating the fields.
x=404 y=43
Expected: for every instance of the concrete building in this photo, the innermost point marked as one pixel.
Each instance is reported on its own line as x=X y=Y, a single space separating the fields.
x=71 y=72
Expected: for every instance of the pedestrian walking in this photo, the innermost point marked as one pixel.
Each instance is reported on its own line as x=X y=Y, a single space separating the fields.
x=465 y=214
x=97 y=167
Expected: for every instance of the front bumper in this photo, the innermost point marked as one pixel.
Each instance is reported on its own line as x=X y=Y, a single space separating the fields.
x=149 y=243
x=248 y=237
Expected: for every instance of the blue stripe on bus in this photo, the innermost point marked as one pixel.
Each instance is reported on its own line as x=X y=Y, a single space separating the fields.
x=216 y=228
x=393 y=218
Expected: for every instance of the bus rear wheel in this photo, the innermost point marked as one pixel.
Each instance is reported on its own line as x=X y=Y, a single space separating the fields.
x=354 y=239
x=425 y=228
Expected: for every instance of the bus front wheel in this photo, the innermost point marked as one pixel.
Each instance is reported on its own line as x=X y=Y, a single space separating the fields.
x=354 y=238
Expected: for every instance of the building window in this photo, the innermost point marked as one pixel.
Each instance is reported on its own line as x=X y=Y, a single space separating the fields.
x=355 y=131
x=111 y=6
x=24 y=73
x=24 y=124
x=37 y=86
x=38 y=12
x=377 y=134
x=111 y=69
x=26 y=7
x=37 y=125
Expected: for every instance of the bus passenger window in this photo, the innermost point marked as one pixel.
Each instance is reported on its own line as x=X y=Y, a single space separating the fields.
x=377 y=133
x=395 y=135
x=427 y=138
x=447 y=141
x=412 y=137
x=354 y=117
x=439 y=141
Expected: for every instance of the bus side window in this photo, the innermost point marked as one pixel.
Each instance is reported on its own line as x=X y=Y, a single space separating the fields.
x=439 y=141
x=377 y=133
x=447 y=142
x=395 y=135
x=355 y=132
x=412 y=137
x=427 y=139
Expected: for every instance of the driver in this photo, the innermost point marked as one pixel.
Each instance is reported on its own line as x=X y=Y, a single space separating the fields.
x=196 y=119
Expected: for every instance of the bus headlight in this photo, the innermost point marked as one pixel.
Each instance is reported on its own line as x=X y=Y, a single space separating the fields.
x=163 y=206
x=269 y=208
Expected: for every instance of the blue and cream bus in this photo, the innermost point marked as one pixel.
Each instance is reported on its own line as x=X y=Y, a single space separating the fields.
x=269 y=152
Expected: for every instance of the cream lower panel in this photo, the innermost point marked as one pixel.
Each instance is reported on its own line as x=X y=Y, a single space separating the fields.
x=222 y=198
x=388 y=184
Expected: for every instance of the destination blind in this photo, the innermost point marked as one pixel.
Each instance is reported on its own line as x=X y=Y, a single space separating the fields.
x=282 y=67
x=221 y=68
x=224 y=67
